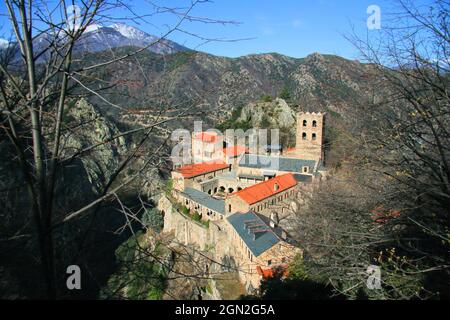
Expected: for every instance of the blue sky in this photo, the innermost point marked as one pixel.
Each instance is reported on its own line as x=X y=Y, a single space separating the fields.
x=292 y=27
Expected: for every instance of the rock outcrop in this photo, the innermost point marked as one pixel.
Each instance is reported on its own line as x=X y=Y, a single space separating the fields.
x=273 y=114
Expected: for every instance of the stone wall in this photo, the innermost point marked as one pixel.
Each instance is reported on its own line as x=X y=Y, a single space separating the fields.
x=223 y=245
x=180 y=182
x=309 y=135
x=191 y=232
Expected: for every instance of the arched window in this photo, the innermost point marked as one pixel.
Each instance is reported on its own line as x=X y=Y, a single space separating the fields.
x=304 y=135
x=305 y=123
x=314 y=123
x=314 y=136
x=229 y=208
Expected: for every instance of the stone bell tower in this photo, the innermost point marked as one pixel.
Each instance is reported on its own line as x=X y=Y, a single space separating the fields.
x=310 y=135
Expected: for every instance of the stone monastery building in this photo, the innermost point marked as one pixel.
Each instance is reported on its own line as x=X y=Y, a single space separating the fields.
x=246 y=198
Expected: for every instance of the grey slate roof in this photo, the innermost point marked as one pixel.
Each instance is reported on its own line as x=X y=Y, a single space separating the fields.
x=205 y=200
x=303 y=178
x=251 y=176
x=276 y=163
x=262 y=242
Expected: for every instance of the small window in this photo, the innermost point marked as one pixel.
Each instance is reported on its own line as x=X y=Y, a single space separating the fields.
x=314 y=136
x=304 y=135
x=314 y=123
x=229 y=208
x=269 y=262
x=305 y=123
x=305 y=169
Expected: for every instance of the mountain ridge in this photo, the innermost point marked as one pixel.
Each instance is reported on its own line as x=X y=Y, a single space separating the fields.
x=316 y=82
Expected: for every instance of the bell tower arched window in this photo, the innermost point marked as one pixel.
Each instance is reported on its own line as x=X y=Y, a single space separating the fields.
x=304 y=135
x=305 y=123
x=314 y=123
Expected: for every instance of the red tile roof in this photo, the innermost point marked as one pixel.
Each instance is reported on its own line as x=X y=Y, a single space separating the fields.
x=263 y=190
x=235 y=151
x=206 y=136
x=193 y=170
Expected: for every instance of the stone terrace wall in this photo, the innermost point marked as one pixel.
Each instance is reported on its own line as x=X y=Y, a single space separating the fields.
x=190 y=232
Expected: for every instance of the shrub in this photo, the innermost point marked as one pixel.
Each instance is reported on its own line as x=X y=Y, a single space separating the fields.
x=185 y=210
x=285 y=94
x=153 y=218
x=196 y=216
x=169 y=186
x=266 y=98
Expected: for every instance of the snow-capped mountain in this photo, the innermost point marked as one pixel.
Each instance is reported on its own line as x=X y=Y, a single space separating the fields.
x=98 y=38
x=3 y=43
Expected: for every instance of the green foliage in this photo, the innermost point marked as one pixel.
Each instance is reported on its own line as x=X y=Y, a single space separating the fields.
x=153 y=218
x=285 y=94
x=236 y=113
x=230 y=124
x=196 y=216
x=266 y=98
x=169 y=186
x=208 y=288
x=185 y=210
x=234 y=123
x=265 y=122
x=297 y=269
x=139 y=276
x=179 y=59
